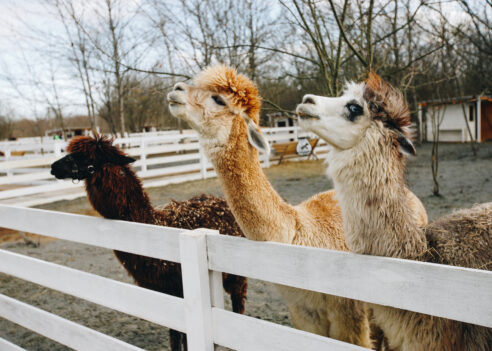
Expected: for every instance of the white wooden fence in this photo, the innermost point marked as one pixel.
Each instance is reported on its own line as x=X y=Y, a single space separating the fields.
x=161 y=159
x=451 y=292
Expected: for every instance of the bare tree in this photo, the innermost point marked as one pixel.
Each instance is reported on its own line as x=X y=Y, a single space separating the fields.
x=6 y=122
x=314 y=22
x=80 y=51
x=343 y=35
x=479 y=32
x=115 y=30
x=437 y=116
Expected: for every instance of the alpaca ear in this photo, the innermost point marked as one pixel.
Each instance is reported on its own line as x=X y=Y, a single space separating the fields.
x=406 y=146
x=255 y=136
x=122 y=160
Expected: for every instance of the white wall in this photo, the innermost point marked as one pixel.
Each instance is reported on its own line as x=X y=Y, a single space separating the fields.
x=453 y=127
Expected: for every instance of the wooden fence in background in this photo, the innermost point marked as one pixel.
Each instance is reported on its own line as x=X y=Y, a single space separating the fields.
x=161 y=159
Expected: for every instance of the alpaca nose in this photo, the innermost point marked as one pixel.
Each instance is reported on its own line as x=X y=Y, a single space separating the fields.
x=180 y=87
x=56 y=169
x=309 y=99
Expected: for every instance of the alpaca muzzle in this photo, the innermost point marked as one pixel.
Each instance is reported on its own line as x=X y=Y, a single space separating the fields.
x=67 y=167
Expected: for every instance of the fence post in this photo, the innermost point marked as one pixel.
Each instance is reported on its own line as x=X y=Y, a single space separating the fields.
x=203 y=162
x=8 y=155
x=143 y=155
x=57 y=148
x=196 y=289
x=216 y=286
x=266 y=158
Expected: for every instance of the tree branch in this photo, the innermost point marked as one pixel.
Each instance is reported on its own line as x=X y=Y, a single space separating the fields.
x=342 y=32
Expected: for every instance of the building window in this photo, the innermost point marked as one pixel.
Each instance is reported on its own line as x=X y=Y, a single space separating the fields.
x=471 y=115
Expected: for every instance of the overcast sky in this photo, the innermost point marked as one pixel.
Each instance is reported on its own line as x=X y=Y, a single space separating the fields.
x=23 y=62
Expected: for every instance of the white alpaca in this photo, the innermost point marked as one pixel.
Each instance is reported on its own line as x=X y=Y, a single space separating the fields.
x=367 y=128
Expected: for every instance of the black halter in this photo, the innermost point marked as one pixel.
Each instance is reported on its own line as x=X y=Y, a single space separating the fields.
x=76 y=172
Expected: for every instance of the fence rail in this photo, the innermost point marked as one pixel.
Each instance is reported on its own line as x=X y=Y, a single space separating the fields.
x=165 y=156
x=451 y=292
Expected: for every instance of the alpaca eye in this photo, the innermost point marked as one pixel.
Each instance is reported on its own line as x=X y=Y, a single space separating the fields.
x=355 y=110
x=218 y=100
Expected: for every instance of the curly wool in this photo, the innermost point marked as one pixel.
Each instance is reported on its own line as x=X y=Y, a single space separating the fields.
x=116 y=192
x=386 y=103
x=238 y=88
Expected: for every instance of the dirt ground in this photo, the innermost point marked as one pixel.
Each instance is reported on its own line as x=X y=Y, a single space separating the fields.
x=464 y=181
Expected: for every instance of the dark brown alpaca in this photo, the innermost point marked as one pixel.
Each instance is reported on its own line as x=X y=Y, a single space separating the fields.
x=115 y=191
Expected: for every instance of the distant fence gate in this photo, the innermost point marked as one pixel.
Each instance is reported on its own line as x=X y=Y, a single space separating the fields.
x=451 y=292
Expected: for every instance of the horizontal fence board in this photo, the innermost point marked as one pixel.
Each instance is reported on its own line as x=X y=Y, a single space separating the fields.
x=169 y=170
x=30 y=162
x=8 y=346
x=161 y=149
x=438 y=290
x=178 y=179
x=137 y=238
x=149 y=139
x=277 y=129
x=59 y=329
x=58 y=185
x=41 y=199
x=29 y=170
x=168 y=159
x=245 y=333
x=150 y=305
x=17 y=179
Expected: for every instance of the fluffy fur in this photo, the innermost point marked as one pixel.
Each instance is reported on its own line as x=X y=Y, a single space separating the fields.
x=386 y=103
x=446 y=235
x=116 y=192
x=239 y=90
x=378 y=220
x=261 y=213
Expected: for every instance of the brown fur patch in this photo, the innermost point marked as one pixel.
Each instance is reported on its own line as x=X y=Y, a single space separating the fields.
x=238 y=88
x=462 y=238
x=386 y=103
x=99 y=147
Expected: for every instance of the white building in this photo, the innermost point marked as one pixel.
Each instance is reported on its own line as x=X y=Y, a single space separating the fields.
x=454 y=113
x=280 y=119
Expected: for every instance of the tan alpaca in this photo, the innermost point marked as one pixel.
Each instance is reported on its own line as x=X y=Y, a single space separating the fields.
x=223 y=107
x=367 y=128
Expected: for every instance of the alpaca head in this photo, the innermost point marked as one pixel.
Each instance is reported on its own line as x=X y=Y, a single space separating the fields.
x=86 y=156
x=373 y=109
x=219 y=99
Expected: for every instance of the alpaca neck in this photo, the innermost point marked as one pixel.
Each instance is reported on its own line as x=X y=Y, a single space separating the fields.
x=257 y=207
x=116 y=193
x=377 y=217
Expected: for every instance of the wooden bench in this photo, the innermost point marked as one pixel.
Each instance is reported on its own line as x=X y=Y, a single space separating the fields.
x=17 y=153
x=283 y=150
x=14 y=153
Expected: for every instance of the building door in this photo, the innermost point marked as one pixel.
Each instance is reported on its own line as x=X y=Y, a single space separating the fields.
x=486 y=121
